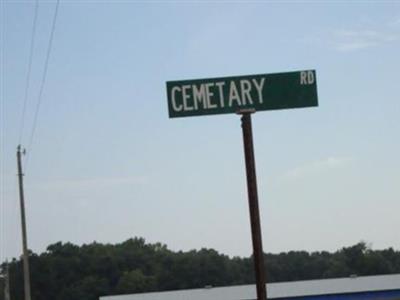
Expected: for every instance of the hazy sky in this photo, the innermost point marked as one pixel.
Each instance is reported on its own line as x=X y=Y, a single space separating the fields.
x=108 y=164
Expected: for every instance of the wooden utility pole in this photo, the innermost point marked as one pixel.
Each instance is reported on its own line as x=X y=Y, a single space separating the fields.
x=7 y=283
x=27 y=280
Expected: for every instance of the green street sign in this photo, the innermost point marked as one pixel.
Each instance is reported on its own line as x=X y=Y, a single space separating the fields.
x=231 y=94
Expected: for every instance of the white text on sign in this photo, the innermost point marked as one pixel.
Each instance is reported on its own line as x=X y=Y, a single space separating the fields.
x=211 y=95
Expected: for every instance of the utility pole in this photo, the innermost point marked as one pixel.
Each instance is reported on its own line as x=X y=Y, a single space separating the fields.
x=7 y=283
x=27 y=281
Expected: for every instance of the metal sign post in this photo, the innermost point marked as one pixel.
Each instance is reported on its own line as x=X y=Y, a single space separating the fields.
x=258 y=254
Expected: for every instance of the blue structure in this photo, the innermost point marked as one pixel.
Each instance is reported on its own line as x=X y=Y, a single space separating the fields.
x=380 y=295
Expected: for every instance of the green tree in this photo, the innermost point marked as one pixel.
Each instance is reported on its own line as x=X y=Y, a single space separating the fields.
x=135 y=282
x=68 y=272
x=89 y=288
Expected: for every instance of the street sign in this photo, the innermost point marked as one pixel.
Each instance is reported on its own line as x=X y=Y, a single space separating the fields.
x=231 y=94
x=245 y=95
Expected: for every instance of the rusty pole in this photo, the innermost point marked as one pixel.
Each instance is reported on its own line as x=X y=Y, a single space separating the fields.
x=258 y=254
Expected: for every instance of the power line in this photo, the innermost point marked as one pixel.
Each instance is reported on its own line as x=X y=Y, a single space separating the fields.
x=28 y=76
x=43 y=81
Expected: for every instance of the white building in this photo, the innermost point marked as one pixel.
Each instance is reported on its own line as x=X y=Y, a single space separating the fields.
x=382 y=287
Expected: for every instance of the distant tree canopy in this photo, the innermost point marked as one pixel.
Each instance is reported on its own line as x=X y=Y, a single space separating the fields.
x=69 y=272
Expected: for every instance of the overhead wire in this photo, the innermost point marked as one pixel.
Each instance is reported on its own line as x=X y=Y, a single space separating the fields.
x=42 y=83
x=28 y=76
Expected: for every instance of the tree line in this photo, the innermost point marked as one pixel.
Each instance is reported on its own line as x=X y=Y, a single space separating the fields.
x=69 y=272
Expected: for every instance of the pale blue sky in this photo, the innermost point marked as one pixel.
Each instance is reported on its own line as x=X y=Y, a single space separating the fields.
x=107 y=163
